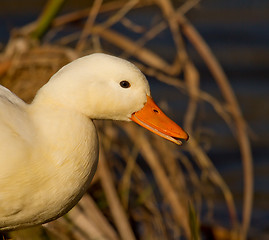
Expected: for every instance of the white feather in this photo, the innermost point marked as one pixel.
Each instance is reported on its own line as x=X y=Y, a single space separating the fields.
x=49 y=148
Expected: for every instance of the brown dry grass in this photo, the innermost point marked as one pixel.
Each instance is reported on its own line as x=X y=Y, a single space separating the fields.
x=123 y=201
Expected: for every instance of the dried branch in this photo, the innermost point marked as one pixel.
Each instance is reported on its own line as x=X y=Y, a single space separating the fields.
x=92 y=212
x=163 y=182
x=85 y=224
x=89 y=24
x=116 y=208
x=220 y=77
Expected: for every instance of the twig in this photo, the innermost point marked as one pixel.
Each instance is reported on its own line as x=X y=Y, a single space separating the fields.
x=245 y=148
x=180 y=85
x=89 y=24
x=116 y=208
x=120 y=14
x=169 y=193
x=131 y=25
x=126 y=178
x=193 y=177
x=85 y=224
x=192 y=79
x=92 y=212
x=130 y=46
x=169 y=12
x=106 y=7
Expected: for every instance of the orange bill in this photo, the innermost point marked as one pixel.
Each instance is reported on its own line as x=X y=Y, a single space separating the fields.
x=152 y=118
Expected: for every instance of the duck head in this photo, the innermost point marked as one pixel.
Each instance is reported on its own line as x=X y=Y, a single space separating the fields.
x=101 y=86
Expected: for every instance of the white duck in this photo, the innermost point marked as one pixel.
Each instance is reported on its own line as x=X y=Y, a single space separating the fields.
x=49 y=148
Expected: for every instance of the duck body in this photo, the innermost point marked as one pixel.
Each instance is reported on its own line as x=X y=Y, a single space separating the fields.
x=49 y=148
x=50 y=168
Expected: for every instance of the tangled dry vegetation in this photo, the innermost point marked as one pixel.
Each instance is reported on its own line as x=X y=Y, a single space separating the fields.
x=145 y=187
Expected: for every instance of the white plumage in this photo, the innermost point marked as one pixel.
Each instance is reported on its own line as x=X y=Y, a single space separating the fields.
x=49 y=148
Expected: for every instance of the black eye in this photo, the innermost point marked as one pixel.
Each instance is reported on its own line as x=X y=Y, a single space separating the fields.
x=125 y=84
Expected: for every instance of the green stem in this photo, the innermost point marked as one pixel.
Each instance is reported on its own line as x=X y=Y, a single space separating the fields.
x=44 y=21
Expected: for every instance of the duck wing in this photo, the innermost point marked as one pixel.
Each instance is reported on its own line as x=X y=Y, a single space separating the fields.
x=14 y=120
x=15 y=142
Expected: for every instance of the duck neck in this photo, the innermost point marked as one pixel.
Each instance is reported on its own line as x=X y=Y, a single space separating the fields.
x=67 y=139
x=65 y=153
